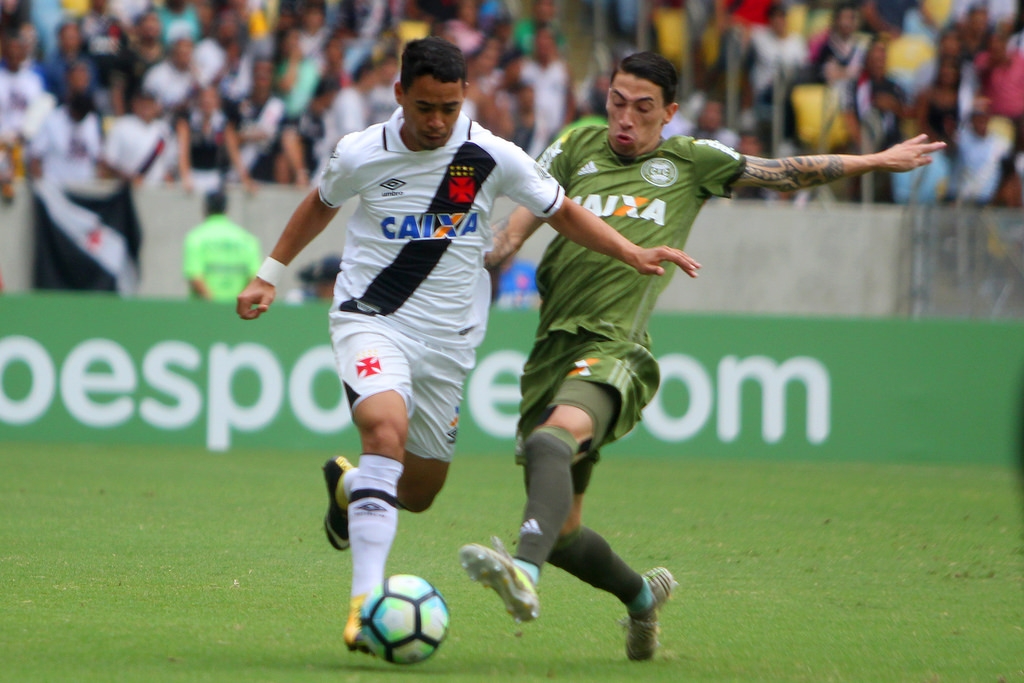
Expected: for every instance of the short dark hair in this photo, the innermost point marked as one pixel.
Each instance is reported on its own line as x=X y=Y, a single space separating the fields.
x=216 y=203
x=432 y=56
x=325 y=86
x=652 y=67
x=363 y=68
x=843 y=7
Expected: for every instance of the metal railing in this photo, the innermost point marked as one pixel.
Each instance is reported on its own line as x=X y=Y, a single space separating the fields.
x=967 y=261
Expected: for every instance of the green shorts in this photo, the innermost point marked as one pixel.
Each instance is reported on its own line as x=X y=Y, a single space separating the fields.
x=627 y=367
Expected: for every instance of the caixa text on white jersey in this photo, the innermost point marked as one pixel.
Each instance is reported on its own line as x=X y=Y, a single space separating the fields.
x=429 y=225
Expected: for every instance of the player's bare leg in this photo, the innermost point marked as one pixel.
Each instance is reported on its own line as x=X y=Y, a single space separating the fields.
x=422 y=480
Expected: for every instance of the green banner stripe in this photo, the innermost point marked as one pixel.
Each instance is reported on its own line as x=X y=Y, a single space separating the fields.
x=94 y=368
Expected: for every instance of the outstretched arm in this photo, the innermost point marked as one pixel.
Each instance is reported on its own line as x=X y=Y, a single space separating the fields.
x=509 y=236
x=794 y=173
x=310 y=218
x=583 y=227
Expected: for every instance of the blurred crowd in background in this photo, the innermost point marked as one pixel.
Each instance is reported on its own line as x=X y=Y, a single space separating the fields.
x=206 y=92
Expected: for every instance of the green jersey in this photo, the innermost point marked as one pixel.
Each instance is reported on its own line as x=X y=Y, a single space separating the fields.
x=652 y=200
x=223 y=255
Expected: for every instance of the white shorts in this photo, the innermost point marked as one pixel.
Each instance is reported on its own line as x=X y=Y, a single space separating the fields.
x=373 y=356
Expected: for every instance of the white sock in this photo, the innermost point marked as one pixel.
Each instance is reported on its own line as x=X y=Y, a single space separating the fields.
x=347 y=478
x=372 y=519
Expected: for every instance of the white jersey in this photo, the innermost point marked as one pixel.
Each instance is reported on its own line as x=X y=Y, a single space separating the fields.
x=18 y=90
x=172 y=87
x=135 y=147
x=414 y=248
x=67 y=150
x=209 y=59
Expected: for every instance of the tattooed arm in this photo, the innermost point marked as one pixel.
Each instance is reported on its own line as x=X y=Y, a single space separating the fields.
x=793 y=173
x=509 y=235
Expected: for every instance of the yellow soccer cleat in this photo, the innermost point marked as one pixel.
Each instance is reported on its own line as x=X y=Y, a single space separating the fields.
x=353 y=634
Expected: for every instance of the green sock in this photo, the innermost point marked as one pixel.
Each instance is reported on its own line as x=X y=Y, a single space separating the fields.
x=548 y=453
x=586 y=555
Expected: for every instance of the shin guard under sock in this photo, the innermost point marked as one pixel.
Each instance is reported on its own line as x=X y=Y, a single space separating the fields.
x=548 y=457
x=372 y=520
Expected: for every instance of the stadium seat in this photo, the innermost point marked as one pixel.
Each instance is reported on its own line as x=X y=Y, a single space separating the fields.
x=412 y=30
x=259 y=27
x=711 y=43
x=1004 y=129
x=796 y=19
x=673 y=34
x=817 y=22
x=75 y=8
x=817 y=106
x=939 y=10
x=906 y=56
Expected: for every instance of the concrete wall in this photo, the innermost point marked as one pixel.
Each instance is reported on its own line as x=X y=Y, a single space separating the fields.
x=758 y=258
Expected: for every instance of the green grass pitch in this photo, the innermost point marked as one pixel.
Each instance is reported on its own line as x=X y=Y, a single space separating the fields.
x=161 y=564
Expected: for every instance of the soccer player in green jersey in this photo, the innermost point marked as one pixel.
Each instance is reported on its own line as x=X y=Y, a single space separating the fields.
x=591 y=371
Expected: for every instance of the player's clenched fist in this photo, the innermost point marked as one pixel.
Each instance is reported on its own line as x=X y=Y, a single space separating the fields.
x=255 y=299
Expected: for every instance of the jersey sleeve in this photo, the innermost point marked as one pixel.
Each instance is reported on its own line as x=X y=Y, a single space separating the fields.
x=555 y=161
x=336 y=183
x=718 y=166
x=529 y=184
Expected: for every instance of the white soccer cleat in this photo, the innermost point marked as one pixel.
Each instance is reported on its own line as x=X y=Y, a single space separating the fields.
x=642 y=630
x=495 y=568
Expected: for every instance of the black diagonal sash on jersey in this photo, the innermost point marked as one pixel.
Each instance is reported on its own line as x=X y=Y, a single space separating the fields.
x=396 y=283
x=153 y=156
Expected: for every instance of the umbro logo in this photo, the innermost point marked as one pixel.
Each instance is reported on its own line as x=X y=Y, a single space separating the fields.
x=587 y=168
x=370 y=507
x=530 y=526
x=391 y=187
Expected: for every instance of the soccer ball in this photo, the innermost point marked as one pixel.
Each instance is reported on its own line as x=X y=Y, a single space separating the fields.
x=404 y=619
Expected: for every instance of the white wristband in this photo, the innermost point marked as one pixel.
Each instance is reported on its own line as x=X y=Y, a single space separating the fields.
x=271 y=271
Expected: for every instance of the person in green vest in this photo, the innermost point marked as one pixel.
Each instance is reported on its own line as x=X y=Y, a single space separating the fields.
x=221 y=257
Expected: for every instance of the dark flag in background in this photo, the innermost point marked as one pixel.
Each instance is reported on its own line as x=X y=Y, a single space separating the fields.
x=85 y=241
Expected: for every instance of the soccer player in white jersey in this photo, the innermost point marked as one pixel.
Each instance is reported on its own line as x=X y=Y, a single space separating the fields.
x=407 y=311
